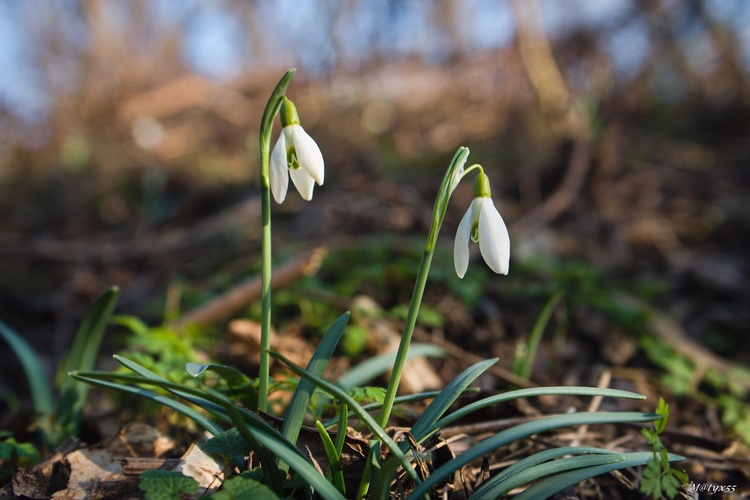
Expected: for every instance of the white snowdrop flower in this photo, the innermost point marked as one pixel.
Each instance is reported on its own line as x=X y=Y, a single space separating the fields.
x=295 y=154
x=482 y=224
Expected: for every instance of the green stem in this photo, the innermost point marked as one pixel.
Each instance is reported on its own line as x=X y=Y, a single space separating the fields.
x=266 y=130
x=451 y=179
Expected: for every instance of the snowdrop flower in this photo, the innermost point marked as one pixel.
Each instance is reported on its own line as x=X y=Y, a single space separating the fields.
x=295 y=154
x=483 y=224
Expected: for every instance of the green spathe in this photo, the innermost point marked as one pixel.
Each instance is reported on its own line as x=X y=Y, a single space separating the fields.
x=482 y=186
x=288 y=113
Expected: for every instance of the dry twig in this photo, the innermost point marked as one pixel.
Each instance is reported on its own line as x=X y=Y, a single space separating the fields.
x=248 y=291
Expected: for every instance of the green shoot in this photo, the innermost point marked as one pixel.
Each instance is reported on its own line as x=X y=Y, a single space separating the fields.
x=659 y=479
x=526 y=352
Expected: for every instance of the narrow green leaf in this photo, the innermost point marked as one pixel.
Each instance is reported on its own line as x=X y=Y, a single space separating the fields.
x=229 y=373
x=210 y=399
x=382 y=477
x=526 y=393
x=193 y=415
x=342 y=396
x=271 y=472
x=41 y=393
x=292 y=456
x=529 y=474
x=257 y=432
x=380 y=364
x=524 y=430
x=334 y=461
x=82 y=356
x=554 y=484
x=535 y=337
x=343 y=423
x=447 y=397
x=239 y=384
x=174 y=388
x=295 y=413
x=536 y=459
x=407 y=398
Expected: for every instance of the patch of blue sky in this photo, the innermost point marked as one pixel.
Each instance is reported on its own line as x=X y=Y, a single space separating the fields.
x=629 y=47
x=214 y=44
x=20 y=83
x=561 y=16
x=485 y=24
x=737 y=15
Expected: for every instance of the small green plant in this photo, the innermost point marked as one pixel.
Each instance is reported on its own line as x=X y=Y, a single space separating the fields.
x=163 y=349
x=385 y=464
x=728 y=390
x=15 y=454
x=659 y=478
x=58 y=422
x=166 y=485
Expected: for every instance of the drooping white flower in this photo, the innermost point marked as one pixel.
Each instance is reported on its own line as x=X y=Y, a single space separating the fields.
x=482 y=224
x=295 y=154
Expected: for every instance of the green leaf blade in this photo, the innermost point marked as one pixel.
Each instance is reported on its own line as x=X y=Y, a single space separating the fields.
x=332 y=454
x=524 y=430
x=301 y=399
x=530 y=392
x=558 y=482
x=447 y=397
x=41 y=392
x=82 y=356
x=342 y=396
x=529 y=474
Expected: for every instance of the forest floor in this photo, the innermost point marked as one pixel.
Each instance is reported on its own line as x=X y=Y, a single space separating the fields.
x=647 y=241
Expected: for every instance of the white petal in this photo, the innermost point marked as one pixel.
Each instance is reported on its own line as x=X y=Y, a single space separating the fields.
x=494 y=242
x=461 y=244
x=278 y=170
x=308 y=153
x=303 y=182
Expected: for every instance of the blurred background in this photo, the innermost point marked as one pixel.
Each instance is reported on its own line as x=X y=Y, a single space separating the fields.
x=615 y=134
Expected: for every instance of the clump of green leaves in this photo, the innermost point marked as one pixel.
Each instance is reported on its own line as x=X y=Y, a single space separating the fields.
x=161 y=348
x=727 y=390
x=59 y=421
x=659 y=479
x=14 y=453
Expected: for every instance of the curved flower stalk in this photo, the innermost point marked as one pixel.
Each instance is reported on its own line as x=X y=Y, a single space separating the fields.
x=482 y=224
x=266 y=128
x=297 y=153
x=451 y=179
